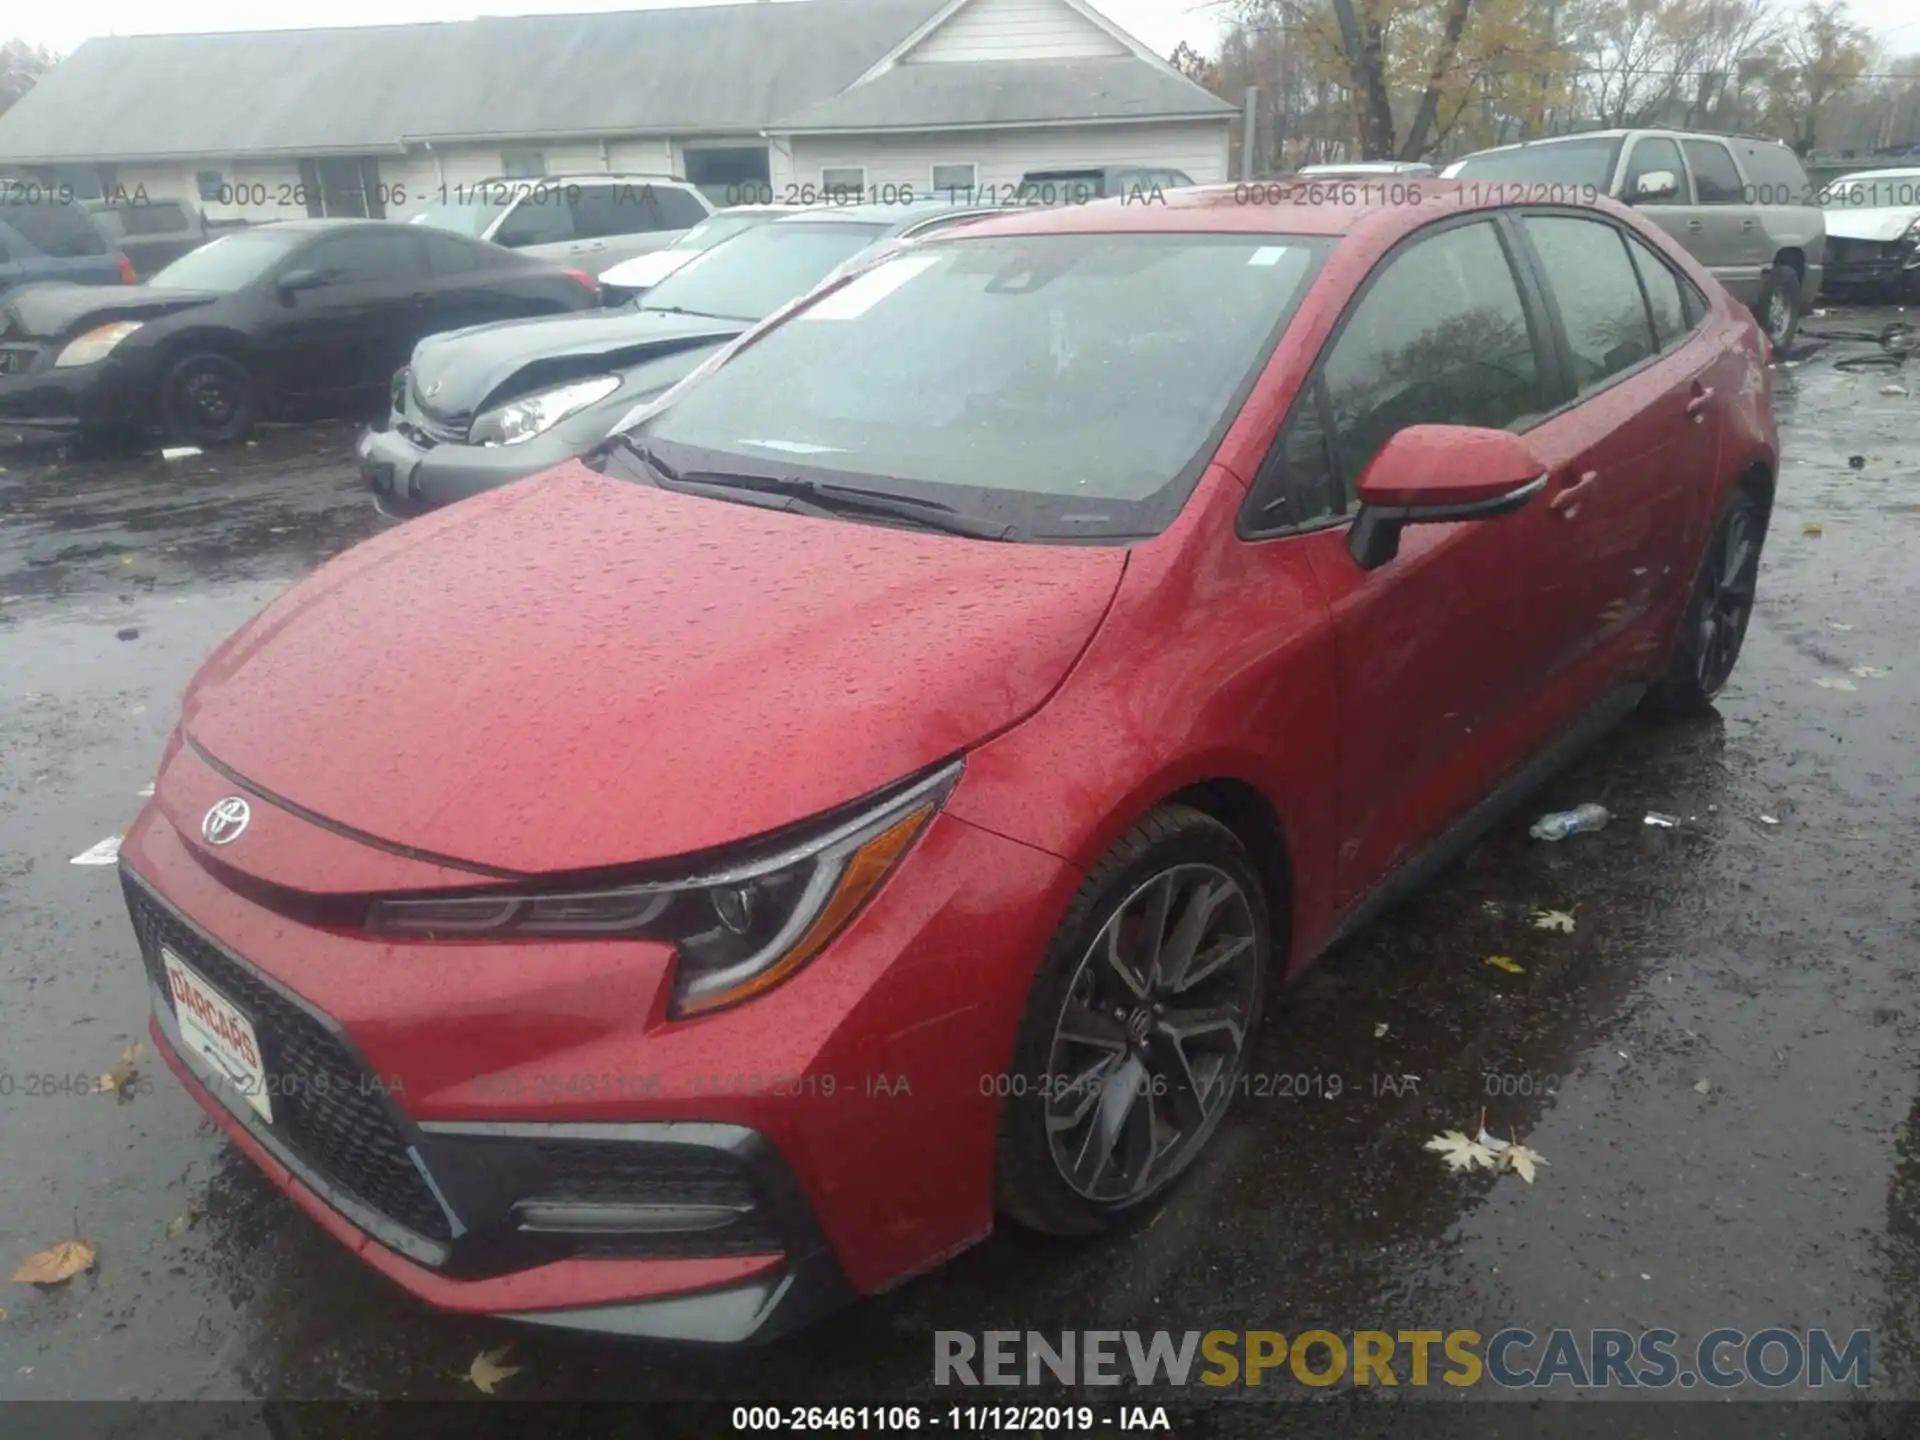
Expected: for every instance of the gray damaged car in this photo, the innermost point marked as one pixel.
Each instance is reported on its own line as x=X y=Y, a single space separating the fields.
x=485 y=406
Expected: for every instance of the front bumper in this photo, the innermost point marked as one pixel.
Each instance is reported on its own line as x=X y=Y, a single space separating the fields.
x=432 y=1119
x=1870 y=264
x=408 y=478
x=33 y=392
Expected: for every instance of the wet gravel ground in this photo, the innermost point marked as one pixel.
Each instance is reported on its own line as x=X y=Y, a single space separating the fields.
x=1718 y=1062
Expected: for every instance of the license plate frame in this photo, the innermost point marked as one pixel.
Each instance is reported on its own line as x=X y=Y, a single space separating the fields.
x=219 y=1032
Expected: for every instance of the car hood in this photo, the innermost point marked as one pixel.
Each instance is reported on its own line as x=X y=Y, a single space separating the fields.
x=55 y=308
x=1878 y=222
x=459 y=373
x=645 y=271
x=630 y=673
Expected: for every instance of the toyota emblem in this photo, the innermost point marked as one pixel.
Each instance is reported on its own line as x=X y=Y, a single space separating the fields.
x=433 y=389
x=226 y=821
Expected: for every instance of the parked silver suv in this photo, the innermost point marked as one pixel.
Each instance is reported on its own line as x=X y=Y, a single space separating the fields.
x=586 y=222
x=1743 y=207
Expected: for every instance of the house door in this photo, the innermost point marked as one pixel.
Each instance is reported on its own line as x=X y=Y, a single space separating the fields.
x=343 y=186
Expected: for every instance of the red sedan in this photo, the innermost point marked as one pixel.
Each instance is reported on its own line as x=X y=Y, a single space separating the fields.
x=878 y=791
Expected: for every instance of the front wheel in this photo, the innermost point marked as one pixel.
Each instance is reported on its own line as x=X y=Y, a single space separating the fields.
x=1136 y=1027
x=208 y=398
x=1779 y=306
x=1715 y=624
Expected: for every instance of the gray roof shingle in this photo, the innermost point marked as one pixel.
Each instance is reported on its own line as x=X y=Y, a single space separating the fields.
x=1009 y=92
x=700 y=70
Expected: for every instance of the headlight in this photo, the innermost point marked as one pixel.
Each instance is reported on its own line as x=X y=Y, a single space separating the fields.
x=96 y=343
x=528 y=416
x=737 y=930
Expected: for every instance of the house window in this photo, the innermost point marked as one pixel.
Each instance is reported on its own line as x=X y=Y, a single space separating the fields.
x=209 y=183
x=950 y=178
x=520 y=163
x=843 y=182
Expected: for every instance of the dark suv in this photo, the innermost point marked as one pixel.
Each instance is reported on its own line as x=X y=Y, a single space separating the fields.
x=45 y=235
x=152 y=234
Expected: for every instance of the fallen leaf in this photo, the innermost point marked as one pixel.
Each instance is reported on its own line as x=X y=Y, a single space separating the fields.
x=57 y=1264
x=1869 y=672
x=1380 y=1030
x=1521 y=1160
x=3 y=1314
x=145 y=792
x=115 y=1080
x=1506 y=963
x=487 y=1371
x=1561 y=920
x=181 y=1223
x=1459 y=1152
x=1835 y=682
x=1893 y=389
x=1769 y=820
x=1703 y=1087
x=1838 y=625
x=1815 y=530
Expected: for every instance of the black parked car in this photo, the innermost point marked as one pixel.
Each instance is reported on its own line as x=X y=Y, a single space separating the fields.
x=297 y=318
x=484 y=408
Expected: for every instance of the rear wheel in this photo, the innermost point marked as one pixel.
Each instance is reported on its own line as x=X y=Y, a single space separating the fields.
x=1136 y=1028
x=1715 y=625
x=208 y=398
x=1779 y=306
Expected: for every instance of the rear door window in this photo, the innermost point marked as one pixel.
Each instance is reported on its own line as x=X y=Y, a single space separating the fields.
x=449 y=256
x=678 y=209
x=1775 y=175
x=1715 y=181
x=1666 y=301
x=1601 y=307
x=54 y=228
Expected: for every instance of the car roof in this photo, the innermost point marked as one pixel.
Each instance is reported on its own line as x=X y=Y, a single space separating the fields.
x=904 y=212
x=1254 y=208
x=1621 y=134
x=1895 y=173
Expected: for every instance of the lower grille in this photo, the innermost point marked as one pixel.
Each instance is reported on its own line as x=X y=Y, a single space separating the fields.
x=328 y=1112
x=619 y=1172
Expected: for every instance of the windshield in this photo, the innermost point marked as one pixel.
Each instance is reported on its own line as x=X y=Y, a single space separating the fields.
x=1869 y=192
x=230 y=263
x=1070 y=385
x=709 y=233
x=1587 y=164
x=464 y=217
x=756 y=272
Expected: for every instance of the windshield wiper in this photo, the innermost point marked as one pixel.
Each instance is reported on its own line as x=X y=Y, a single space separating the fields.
x=697 y=314
x=639 y=449
x=833 y=498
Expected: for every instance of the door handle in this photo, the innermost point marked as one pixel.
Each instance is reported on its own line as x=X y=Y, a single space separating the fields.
x=1697 y=404
x=1694 y=227
x=1746 y=224
x=1567 y=499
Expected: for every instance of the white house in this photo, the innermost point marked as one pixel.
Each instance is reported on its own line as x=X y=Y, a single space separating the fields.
x=778 y=98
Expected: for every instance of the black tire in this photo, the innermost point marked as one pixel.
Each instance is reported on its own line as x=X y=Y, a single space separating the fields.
x=1076 y=1052
x=208 y=398
x=1707 y=645
x=1780 y=306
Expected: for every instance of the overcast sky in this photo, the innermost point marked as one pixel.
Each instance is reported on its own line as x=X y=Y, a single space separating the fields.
x=1162 y=24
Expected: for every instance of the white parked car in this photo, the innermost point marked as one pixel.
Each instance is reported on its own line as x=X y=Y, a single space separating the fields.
x=1873 y=233
x=620 y=283
x=582 y=222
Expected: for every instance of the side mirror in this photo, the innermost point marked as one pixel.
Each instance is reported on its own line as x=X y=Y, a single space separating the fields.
x=1654 y=185
x=297 y=280
x=1435 y=474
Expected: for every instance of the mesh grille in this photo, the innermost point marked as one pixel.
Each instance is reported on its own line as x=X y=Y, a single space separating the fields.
x=327 y=1110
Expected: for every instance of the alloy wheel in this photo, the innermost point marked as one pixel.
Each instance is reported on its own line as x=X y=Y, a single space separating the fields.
x=209 y=393
x=1726 y=599
x=1147 y=1046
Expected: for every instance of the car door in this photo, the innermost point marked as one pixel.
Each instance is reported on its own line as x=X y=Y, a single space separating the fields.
x=1632 y=440
x=1441 y=333
x=341 y=337
x=1728 y=237
x=462 y=289
x=540 y=222
x=1675 y=213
